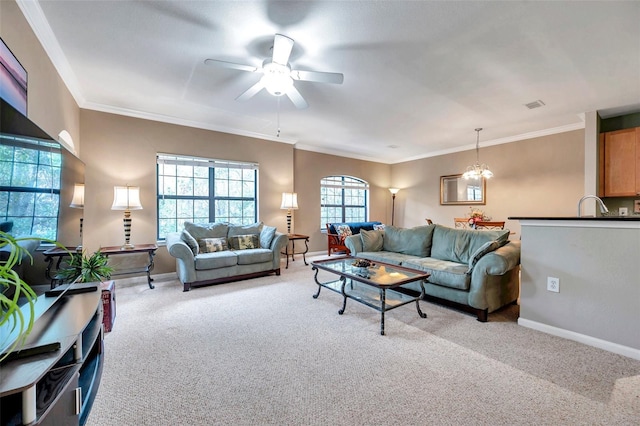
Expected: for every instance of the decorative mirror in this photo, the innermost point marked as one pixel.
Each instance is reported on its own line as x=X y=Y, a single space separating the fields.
x=455 y=190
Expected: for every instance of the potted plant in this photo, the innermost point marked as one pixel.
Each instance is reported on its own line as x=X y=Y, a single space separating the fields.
x=84 y=269
x=13 y=292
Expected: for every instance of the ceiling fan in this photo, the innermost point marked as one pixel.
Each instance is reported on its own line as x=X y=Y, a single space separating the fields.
x=278 y=77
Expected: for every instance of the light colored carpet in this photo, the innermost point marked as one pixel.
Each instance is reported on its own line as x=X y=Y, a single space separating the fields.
x=264 y=352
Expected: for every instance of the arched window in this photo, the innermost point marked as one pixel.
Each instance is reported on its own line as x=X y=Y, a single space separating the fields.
x=343 y=199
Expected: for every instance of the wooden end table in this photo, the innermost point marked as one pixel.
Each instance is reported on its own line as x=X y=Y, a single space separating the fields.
x=150 y=249
x=293 y=238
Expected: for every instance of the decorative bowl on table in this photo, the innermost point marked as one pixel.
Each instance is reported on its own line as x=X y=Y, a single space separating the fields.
x=361 y=267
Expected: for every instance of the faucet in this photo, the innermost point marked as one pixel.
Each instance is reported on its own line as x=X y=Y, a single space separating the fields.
x=603 y=208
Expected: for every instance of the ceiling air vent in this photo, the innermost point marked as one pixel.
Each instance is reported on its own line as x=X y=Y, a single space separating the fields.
x=535 y=104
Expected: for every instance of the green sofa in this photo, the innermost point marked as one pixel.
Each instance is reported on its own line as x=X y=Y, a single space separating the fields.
x=477 y=271
x=214 y=253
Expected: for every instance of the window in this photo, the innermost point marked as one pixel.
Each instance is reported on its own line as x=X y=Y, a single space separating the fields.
x=343 y=199
x=205 y=190
x=30 y=185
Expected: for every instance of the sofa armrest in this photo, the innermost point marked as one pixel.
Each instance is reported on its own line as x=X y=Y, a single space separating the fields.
x=278 y=243
x=354 y=244
x=495 y=278
x=185 y=261
x=501 y=260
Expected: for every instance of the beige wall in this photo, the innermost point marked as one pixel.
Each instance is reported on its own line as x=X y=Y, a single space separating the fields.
x=542 y=176
x=49 y=102
x=310 y=167
x=121 y=150
x=536 y=177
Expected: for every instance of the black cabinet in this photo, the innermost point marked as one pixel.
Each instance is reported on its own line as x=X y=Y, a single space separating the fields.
x=56 y=387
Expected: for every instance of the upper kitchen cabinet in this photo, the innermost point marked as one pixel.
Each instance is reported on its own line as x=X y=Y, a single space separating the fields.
x=620 y=163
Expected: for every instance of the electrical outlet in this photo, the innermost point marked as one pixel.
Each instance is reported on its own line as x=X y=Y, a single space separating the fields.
x=553 y=284
x=623 y=211
x=636 y=206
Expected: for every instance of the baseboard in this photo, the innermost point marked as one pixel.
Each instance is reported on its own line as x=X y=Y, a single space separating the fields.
x=582 y=338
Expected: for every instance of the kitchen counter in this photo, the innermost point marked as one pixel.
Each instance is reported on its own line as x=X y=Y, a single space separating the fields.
x=602 y=218
x=596 y=261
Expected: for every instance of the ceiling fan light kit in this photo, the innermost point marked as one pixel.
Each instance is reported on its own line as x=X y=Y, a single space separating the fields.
x=278 y=77
x=478 y=170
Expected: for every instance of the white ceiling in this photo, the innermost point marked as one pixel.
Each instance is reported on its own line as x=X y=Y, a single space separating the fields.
x=419 y=76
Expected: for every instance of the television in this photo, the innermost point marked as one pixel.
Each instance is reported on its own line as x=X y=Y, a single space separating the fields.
x=13 y=79
x=37 y=179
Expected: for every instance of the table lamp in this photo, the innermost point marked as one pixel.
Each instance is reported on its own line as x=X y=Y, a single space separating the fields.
x=126 y=198
x=77 y=202
x=289 y=202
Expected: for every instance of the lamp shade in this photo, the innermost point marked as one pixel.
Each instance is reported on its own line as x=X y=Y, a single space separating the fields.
x=289 y=201
x=77 y=201
x=394 y=191
x=126 y=198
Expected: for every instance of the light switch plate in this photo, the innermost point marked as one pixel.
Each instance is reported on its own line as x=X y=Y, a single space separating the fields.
x=636 y=206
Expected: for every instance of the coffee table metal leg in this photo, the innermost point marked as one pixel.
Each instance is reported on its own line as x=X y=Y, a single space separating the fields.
x=344 y=295
x=382 y=309
x=315 y=277
x=422 y=315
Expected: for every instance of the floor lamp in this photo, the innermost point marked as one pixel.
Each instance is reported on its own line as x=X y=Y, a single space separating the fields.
x=77 y=202
x=289 y=202
x=126 y=198
x=393 y=192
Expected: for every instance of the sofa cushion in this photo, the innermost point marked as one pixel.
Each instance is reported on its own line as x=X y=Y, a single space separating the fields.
x=215 y=260
x=266 y=236
x=251 y=256
x=371 y=240
x=206 y=230
x=387 y=257
x=458 y=245
x=442 y=272
x=414 y=241
x=210 y=245
x=244 y=242
x=254 y=228
x=190 y=241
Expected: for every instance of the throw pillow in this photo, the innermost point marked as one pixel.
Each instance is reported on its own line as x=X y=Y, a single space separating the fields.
x=379 y=227
x=244 y=242
x=371 y=240
x=254 y=228
x=190 y=241
x=414 y=241
x=206 y=230
x=266 y=236
x=343 y=231
x=487 y=247
x=210 y=245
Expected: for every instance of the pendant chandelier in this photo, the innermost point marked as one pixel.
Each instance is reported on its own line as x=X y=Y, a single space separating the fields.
x=478 y=170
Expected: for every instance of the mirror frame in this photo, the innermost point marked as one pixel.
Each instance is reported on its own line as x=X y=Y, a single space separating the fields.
x=443 y=185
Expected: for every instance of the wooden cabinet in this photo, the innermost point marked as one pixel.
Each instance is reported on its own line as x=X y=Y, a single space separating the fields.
x=58 y=386
x=620 y=163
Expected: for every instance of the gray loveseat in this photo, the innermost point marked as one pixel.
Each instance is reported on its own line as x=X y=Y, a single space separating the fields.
x=474 y=270
x=220 y=252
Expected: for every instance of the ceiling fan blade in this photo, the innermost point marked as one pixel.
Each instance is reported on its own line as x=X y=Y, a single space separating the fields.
x=282 y=46
x=320 y=77
x=224 y=64
x=297 y=98
x=251 y=91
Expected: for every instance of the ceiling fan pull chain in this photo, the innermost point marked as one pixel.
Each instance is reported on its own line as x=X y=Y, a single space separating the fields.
x=278 y=133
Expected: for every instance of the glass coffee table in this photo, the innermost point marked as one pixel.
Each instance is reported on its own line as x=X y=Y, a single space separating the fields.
x=375 y=286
